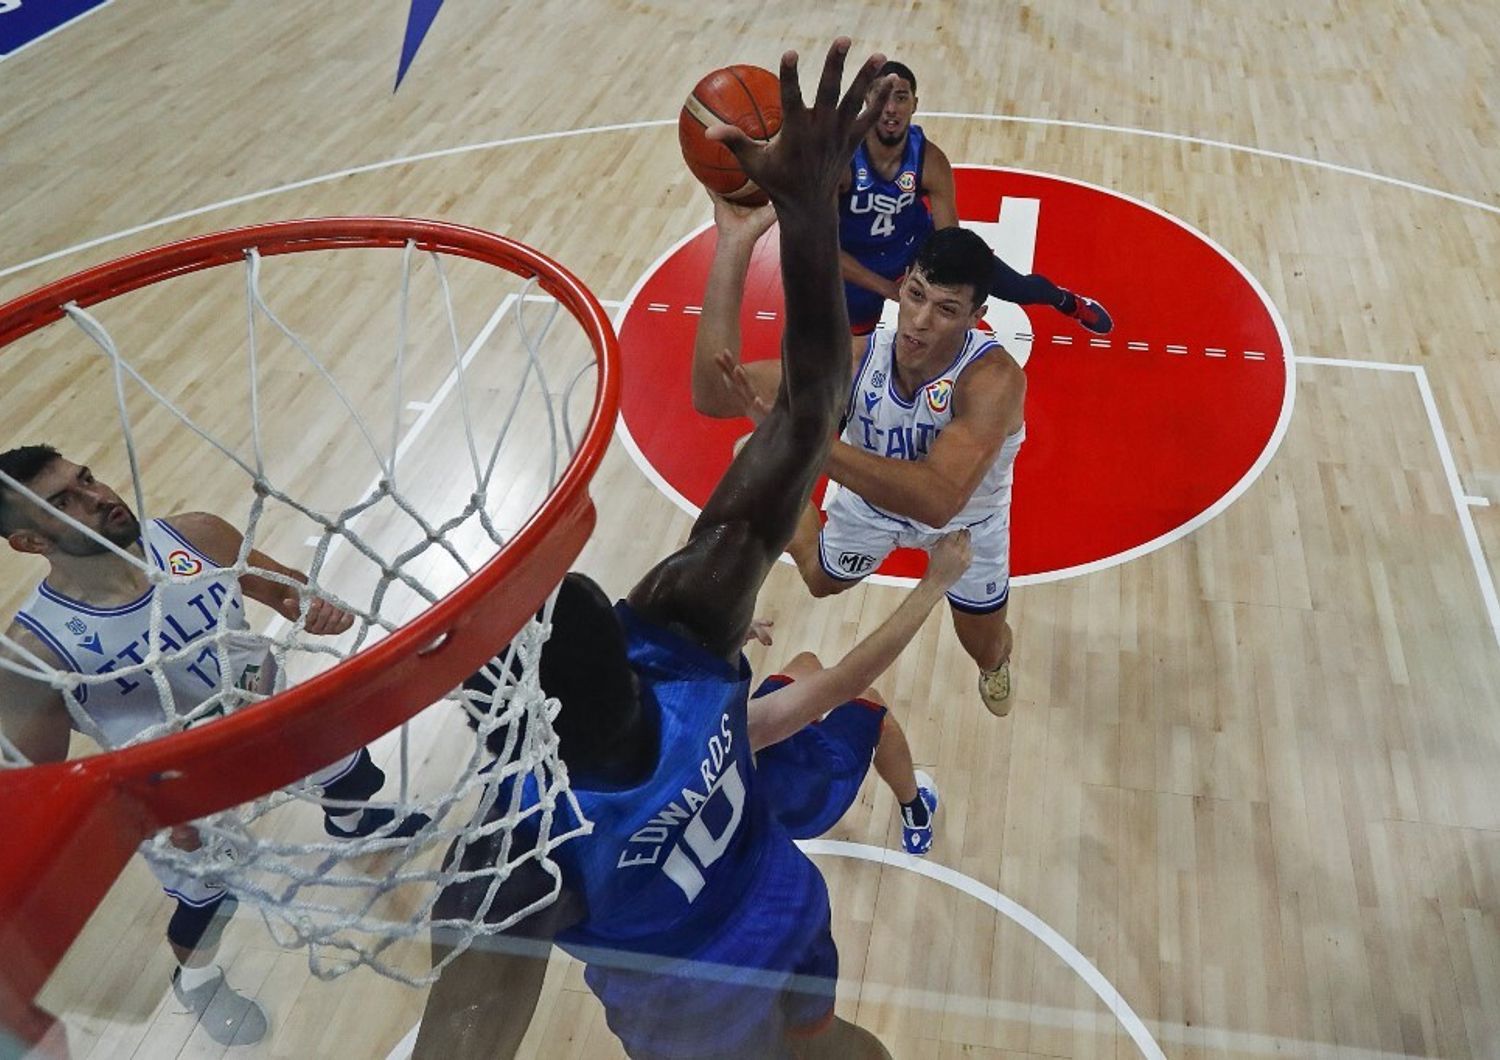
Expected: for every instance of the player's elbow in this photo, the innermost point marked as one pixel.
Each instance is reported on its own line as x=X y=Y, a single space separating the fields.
x=940 y=507
x=709 y=400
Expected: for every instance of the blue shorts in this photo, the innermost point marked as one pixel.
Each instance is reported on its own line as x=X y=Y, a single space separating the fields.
x=813 y=776
x=770 y=971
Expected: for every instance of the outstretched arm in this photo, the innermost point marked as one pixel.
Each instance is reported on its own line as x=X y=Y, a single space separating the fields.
x=707 y=589
x=777 y=715
x=220 y=542
x=862 y=275
x=738 y=229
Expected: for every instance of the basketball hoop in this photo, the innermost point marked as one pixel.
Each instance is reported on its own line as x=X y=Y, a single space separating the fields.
x=72 y=826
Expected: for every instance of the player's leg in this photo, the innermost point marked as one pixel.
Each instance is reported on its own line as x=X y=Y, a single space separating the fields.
x=916 y=793
x=987 y=637
x=1036 y=289
x=978 y=602
x=835 y=556
x=839 y=1040
x=351 y=781
x=193 y=933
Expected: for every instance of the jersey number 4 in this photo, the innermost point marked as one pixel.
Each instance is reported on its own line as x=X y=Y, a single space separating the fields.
x=699 y=838
x=883 y=225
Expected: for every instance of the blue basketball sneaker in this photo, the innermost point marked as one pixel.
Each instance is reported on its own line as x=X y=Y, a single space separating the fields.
x=915 y=839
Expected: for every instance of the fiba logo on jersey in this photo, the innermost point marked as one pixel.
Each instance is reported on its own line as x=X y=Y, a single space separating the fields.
x=939 y=394
x=183 y=564
x=907 y=181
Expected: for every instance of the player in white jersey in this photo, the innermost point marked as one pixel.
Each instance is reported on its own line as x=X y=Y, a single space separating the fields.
x=93 y=616
x=934 y=423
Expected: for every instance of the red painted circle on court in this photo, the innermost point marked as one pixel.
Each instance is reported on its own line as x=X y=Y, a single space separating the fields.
x=1132 y=440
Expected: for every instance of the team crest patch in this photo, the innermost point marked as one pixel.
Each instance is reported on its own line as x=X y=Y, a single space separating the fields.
x=183 y=564
x=907 y=181
x=939 y=394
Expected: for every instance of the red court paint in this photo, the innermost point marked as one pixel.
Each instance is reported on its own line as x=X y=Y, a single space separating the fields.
x=1129 y=445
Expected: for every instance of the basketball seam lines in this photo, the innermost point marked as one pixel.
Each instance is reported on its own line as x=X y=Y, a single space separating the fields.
x=764 y=128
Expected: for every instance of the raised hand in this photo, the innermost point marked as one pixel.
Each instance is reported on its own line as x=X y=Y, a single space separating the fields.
x=744 y=223
x=805 y=160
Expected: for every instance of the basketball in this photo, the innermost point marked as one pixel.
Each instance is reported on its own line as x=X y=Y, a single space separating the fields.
x=747 y=96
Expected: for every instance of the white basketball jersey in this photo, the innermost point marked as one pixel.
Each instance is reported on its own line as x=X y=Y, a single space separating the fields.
x=880 y=421
x=200 y=600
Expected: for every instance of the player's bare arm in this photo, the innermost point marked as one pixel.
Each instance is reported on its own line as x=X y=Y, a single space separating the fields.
x=777 y=715
x=738 y=229
x=220 y=541
x=33 y=717
x=862 y=276
x=987 y=402
x=706 y=590
x=938 y=186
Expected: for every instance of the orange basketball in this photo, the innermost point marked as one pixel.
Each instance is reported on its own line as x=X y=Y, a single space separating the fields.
x=747 y=96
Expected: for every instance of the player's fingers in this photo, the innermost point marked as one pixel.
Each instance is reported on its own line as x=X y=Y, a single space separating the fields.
x=740 y=145
x=833 y=74
x=873 y=104
x=791 y=86
x=857 y=97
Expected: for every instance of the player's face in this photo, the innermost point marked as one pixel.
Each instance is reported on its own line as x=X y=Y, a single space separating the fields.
x=890 y=128
x=931 y=323
x=71 y=489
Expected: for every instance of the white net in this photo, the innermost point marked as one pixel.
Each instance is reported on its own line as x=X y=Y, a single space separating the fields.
x=360 y=440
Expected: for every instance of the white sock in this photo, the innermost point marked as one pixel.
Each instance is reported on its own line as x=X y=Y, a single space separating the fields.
x=346 y=820
x=192 y=978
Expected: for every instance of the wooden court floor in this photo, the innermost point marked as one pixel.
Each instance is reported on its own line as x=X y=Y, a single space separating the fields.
x=1249 y=790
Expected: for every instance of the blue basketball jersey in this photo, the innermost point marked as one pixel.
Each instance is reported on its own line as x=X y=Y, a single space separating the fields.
x=670 y=860
x=702 y=914
x=883 y=222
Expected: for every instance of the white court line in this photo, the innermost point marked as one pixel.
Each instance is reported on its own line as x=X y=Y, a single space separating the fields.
x=1013 y=911
x=1259 y=152
x=1477 y=502
x=1019 y=914
x=1196 y=1036
x=56 y=29
x=1450 y=471
x=561 y=134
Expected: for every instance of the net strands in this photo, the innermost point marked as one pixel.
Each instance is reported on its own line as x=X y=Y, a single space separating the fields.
x=347 y=901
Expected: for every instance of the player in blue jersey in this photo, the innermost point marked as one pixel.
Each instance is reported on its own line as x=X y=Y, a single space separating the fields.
x=898 y=189
x=704 y=929
x=931 y=428
x=816 y=730
x=91 y=616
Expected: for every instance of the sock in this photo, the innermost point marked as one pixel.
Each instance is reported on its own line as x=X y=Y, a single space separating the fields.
x=1068 y=304
x=915 y=813
x=346 y=819
x=190 y=978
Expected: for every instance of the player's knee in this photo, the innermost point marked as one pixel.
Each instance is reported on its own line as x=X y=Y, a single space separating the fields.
x=803 y=663
x=195 y=927
x=821 y=585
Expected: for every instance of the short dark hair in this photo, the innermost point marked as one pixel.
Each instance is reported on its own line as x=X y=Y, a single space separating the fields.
x=23 y=464
x=585 y=667
x=957 y=257
x=901 y=70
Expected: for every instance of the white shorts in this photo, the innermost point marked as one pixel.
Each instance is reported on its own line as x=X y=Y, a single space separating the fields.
x=180 y=885
x=857 y=538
